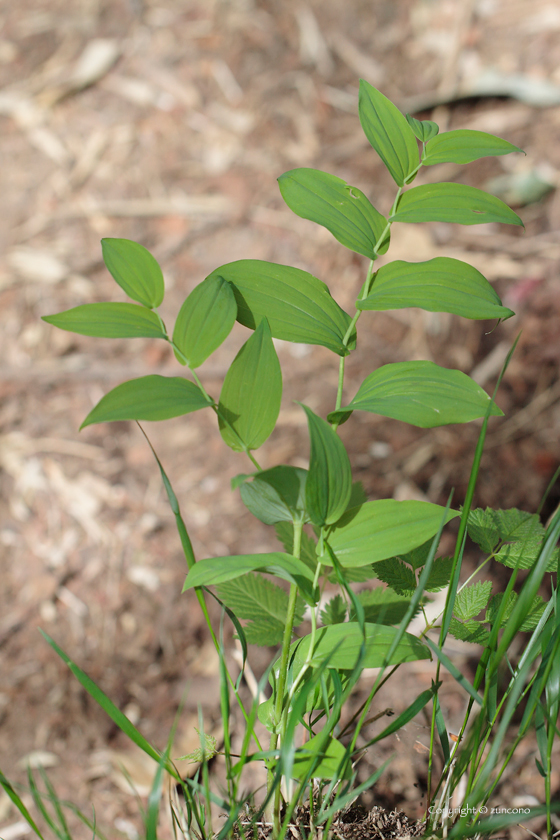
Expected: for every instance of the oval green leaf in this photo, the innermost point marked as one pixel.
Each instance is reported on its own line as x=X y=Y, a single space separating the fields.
x=298 y=306
x=205 y=320
x=388 y=132
x=329 y=482
x=342 y=209
x=135 y=270
x=457 y=203
x=148 y=398
x=109 y=320
x=439 y=285
x=215 y=570
x=465 y=145
x=251 y=393
x=424 y=130
x=326 y=754
x=422 y=394
x=276 y=495
x=341 y=643
x=386 y=528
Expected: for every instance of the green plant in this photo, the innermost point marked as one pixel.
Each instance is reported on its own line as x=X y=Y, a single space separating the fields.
x=330 y=532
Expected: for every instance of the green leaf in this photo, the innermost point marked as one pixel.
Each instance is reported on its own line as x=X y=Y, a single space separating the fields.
x=298 y=306
x=151 y=397
x=334 y=611
x=457 y=203
x=439 y=285
x=340 y=644
x=482 y=530
x=358 y=495
x=382 y=605
x=384 y=528
x=264 y=632
x=207 y=750
x=276 y=495
x=417 y=556
x=251 y=393
x=423 y=129
x=329 y=482
x=388 y=132
x=516 y=524
x=308 y=551
x=109 y=320
x=494 y=608
x=396 y=575
x=331 y=753
x=470 y=600
x=204 y=321
x=216 y=570
x=135 y=270
x=420 y=393
x=470 y=631
x=440 y=574
x=465 y=145
x=252 y=596
x=342 y=209
x=524 y=554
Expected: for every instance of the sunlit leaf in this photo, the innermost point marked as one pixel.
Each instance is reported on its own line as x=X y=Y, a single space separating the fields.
x=276 y=495
x=204 y=321
x=135 y=270
x=423 y=129
x=458 y=203
x=329 y=481
x=388 y=132
x=109 y=320
x=465 y=145
x=148 y=398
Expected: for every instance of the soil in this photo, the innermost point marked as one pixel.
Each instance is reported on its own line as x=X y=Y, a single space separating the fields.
x=169 y=124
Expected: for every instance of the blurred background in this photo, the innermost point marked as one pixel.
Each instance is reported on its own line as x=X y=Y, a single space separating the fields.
x=168 y=122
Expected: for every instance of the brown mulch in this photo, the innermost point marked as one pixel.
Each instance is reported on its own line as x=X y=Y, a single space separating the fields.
x=168 y=124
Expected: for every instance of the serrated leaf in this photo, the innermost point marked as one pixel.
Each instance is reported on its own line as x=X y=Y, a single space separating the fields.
x=456 y=203
x=151 y=397
x=298 y=306
x=252 y=596
x=251 y=393
x=417 y=556
x=482 y=529
x=334 y=204
x=207 y=750
x=264 y=632
x=276 y=495
x=382 y=605
x=470 y=600
x=470 y=631
x=378 y=530
x=396 y=575
x=422 y=394
x=135 y=270
x=204 y=321
x=334 y=611
x=442 y=284
x=388 y=132
x=329 y=481
x=464 y=146
x=534 y=615
x=524 y=555
x=423 y=129
x=109 y=320
x=517 y=524
x=494 y=605
x=216 y=570
x=440 y=574
x=308 y=553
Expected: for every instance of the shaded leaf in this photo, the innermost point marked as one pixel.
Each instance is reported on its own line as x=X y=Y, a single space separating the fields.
x=524 y=554
x=329 y=482
x=516 y=524
x=382 y=605
x=385 y=528
x=135 y=270
x=276 y=495
x=264 y=632
x=470 y=631
x=251 y=393
x=417 y=556
x=109 y=320
x=204 y=321
x=482 y=530
x=465 y=145
x=457 y=203
x=388 y=132
x=342 y=209
x=442 y=284
x=440 y=574
x=298 y=306
x=334 y=611
x=215 y=570
x=329 y=753
x=308 y=552
x=423 y=129
x=252 y=596
x=470 y=600
x=396 y=575
x=151 y=397
x=422 y=394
